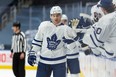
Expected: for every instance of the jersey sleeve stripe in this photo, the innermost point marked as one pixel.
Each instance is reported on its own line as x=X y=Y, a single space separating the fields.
x=111 y=54
x=37 y=40
x=97 y=38
x=36 y=44
x=93 y=41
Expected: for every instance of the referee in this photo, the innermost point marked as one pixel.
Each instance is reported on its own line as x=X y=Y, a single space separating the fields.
x=18 y=49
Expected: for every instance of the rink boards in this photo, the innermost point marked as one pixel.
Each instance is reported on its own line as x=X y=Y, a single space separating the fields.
x=6 y=61
x=91 y=66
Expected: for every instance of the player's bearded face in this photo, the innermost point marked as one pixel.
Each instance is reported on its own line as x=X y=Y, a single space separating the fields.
x=56 y=18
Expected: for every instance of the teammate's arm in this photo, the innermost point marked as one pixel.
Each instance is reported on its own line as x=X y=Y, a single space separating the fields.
x=70 y=36
x=97 y=35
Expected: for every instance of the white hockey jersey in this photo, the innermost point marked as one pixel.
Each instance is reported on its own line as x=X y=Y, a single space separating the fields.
x=49 y=42
x=103 y=35
x=74 y=53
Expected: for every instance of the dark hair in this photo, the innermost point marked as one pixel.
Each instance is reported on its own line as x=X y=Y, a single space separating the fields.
x=17 y=24
x=110 y=9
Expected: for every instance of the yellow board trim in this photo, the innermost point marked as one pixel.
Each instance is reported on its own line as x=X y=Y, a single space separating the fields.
x=10 y=67
x=81 y=74
x=29 y=68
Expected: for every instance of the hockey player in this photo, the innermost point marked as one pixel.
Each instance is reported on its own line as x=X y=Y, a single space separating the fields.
x=72 y=55
x=64 y=19
x=80 y=26
x=50 y=43
x=101 y=38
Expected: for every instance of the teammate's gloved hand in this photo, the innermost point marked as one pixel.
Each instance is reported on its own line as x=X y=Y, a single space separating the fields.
x=80 y=23
x=67 y=41
x=87 y=50
x=31 y=58
x=74 y=23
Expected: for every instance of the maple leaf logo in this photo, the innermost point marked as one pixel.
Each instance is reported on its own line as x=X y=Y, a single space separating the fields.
x=53 y=42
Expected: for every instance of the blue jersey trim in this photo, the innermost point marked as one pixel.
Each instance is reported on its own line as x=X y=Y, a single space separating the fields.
x=97 y=38
x=36 y=44
x=93 y=41
x=53 y=59
x=109 y=53
x=37 y=40
x=73 y=54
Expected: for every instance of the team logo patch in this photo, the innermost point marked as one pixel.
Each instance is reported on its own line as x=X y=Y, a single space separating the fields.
x=53 y=42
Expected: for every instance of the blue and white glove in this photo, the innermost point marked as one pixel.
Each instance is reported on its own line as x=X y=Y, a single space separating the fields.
x=31 y=58
x=80 y=23
x=68 y=41
x=85 y=48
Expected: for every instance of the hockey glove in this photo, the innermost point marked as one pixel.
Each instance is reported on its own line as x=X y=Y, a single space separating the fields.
x=87 y=50
x=74 y=23
x=31 y=58
x=67 y=41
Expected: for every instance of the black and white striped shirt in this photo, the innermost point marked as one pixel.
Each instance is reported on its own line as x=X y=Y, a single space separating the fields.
x=18 y=43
